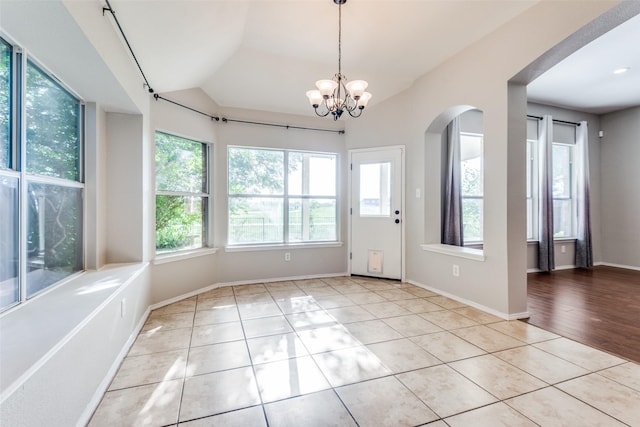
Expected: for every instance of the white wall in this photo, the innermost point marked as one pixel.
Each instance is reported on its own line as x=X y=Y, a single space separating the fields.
x=620 y=153
x=124 y=189
x=478 y=77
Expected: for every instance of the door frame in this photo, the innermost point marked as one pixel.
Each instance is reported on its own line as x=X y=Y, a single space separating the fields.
x=350 y=153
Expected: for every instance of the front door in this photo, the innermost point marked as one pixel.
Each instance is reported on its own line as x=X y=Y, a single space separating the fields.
x=376 y=212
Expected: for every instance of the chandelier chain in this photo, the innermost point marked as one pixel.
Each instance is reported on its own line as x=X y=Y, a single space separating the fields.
x=340 y=39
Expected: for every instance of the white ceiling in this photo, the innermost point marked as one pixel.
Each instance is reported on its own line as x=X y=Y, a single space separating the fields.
x=265 y=54
x=585 y=80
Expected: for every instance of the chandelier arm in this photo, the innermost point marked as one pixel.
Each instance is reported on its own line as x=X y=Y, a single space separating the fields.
x=340 y=99
x=321 y=115
x=359 y=110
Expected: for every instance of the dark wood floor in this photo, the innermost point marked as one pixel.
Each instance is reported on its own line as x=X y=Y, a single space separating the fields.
x=599 y=307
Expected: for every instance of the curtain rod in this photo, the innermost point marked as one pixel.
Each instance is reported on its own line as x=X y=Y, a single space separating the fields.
x=109 y=9
x=227 y=120
x=555 y=120
x=113 y=14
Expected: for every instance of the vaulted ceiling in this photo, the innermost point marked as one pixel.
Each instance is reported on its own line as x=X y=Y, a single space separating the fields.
x=265 y=54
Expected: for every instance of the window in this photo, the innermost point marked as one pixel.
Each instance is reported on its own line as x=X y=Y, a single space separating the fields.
x=182 y=193
x=563 y=178
x=532 y=189
x=564 y=208
x=5 y=104
x=270 y=206
x=471 y=186
x=41 y=194
x=375 y=189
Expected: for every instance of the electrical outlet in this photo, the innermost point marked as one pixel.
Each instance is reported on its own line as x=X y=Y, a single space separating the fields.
x=456 y=270
x=563 y=249
x=287 y=256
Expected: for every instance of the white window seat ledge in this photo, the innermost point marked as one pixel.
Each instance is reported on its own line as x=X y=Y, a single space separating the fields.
x=455 y=251
x=33 y=332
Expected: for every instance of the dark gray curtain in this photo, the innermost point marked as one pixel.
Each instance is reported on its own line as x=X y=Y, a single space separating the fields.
x=584 y=254
x=546 y=257
x=452 y=209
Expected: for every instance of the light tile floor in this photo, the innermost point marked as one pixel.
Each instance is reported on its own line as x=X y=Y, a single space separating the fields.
x=358 y=352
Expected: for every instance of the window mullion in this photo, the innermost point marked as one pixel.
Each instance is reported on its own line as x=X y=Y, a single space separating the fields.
x=209 y=214
x=285 y=202
x=181 y=194
x=20 y=136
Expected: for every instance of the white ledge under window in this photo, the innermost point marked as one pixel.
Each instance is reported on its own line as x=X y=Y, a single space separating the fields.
x=307 y=245
x=457 y=251
x=182 y=255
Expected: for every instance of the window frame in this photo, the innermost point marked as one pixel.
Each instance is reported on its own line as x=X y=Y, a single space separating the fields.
x=464 y=197
x=532 y=209
x=207 y=193
x=572 y=191
x=285 y=197
x=21 y=60
x=533 y=163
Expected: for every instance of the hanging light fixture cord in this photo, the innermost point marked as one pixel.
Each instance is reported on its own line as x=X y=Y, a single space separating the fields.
x=340 y=39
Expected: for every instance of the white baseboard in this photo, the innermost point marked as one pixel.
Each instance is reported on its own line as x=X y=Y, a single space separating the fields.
x=513 y=316
x=628 y=267
x=86 y=415
x=595 y=264
x=243 y=282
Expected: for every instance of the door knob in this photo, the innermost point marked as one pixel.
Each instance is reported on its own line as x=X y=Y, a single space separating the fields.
x=397 y=212
x=397 y=221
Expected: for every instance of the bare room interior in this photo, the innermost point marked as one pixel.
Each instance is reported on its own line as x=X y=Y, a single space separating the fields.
x=323 y=212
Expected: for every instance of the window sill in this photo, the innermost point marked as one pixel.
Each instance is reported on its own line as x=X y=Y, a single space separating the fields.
x=456 y=251
x=179 y=256
x=556 y=240
x=252 y=248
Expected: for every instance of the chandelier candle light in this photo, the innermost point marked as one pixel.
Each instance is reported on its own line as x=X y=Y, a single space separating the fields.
x=338 y=96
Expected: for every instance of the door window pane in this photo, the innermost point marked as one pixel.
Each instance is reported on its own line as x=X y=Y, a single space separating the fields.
x=5 y=104
x=179 y=222
x=375 y=189
x=312 y=220
x=9 y=226
x=256 y=220
x=53 y=127
x=54 y=234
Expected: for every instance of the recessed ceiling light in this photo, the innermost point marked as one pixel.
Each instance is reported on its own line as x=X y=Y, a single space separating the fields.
x=621 y=70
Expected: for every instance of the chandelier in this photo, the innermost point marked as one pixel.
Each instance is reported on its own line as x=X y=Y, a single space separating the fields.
x=337 y=96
